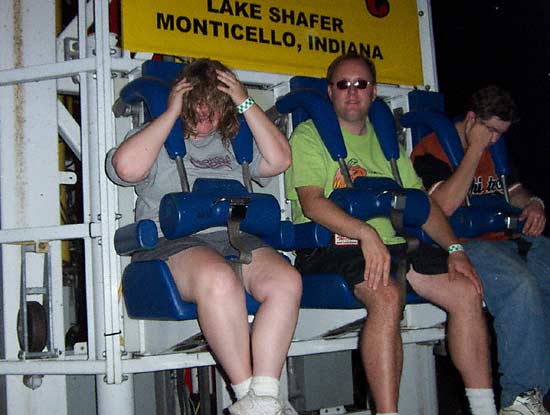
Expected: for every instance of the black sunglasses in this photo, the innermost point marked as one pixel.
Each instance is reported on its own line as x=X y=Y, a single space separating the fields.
x=358 y=83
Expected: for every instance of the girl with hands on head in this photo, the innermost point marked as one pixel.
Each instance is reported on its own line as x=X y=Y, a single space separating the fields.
x=208 y=98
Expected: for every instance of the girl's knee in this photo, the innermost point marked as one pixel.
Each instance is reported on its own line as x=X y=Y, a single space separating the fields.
x=218 y=281
x=287 y=283
x=293 y=282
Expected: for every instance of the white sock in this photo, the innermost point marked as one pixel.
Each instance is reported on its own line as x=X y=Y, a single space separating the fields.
x=242 y=388
x=482 y=401
x=265 y=386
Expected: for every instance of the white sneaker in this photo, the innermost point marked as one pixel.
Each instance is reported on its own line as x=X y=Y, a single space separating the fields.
x=527 y=403
x=252 y=404
x=288 y=409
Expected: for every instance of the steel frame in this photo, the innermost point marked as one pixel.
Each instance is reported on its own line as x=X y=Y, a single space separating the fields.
x=89 y=74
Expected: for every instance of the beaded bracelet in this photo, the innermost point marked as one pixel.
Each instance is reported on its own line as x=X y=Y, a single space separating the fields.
x=455 y=248
x=246 y=104
x=537 y=199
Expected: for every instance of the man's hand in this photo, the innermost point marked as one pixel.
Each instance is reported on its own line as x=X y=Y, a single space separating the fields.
x=377 y=258
x=478 y=136
x=535 y=221
x=459 y=265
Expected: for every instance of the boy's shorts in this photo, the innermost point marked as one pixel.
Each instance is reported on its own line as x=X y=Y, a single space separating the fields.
x=348 y=261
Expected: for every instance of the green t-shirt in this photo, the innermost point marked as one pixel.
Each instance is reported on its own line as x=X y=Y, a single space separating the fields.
x=313 y=166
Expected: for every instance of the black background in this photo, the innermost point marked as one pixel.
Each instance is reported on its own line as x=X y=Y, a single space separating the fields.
x=508 y=43
x=504 y=42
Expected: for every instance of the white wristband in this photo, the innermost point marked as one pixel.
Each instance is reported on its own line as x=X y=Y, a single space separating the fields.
x=246 y=104
x=537 y=199
x=455 y=248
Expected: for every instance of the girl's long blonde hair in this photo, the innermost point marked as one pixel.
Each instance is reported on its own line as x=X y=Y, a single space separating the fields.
x=201 y=73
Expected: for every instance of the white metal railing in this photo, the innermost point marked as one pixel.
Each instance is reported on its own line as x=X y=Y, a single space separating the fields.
x=105 y=266
x=49 y=233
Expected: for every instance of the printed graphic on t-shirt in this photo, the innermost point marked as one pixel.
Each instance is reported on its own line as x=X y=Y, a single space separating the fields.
x=215 y=162
x=354 y=171
x=493 y=185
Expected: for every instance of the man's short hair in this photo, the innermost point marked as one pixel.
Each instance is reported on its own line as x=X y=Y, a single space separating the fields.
x=493 y=100
x=350 y=56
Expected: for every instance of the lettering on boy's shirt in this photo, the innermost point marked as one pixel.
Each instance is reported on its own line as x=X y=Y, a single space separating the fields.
x=478 y=187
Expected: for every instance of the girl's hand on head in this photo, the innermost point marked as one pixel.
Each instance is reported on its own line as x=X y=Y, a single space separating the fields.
x=232 y=87
x=174 y=105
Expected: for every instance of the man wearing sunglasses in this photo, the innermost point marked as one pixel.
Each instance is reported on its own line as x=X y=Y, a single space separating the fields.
x=514 y=269
x=361 y=252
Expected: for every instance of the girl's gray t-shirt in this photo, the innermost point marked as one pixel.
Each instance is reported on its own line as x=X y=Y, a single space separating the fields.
x=205 y=158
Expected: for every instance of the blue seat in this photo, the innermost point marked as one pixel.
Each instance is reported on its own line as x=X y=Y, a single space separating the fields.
x=488 y=213
x=365 y=198
x=148 y=287
x=150 y=293
x=421 y=101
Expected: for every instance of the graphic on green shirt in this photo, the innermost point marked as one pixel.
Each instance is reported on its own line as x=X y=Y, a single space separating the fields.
x=312 y=165
x=355 y=170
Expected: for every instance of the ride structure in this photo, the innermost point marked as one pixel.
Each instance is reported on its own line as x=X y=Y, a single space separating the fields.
x=68 y=343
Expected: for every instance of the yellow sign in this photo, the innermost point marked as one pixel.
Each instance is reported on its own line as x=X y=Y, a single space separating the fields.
x=281 y=36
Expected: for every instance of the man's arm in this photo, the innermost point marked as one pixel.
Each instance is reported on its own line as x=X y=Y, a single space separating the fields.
x=438 y=228
x=323 y=211
x=532 y=210
x=451 y=193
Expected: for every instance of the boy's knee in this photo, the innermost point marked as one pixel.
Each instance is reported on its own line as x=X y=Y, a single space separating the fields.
x=386 y=300
x=466 y=297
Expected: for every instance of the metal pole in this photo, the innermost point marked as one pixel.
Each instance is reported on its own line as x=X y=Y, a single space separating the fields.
x=114 y=391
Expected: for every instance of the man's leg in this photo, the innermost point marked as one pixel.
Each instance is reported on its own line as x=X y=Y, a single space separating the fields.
x=466 y=334
x=380 y=343
x=538 y=262
x=466 y=327
x=513 y=298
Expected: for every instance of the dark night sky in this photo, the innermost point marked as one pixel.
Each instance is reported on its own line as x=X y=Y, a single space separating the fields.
x=508 y=43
